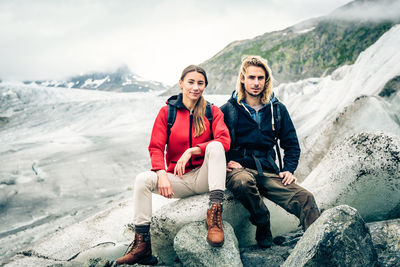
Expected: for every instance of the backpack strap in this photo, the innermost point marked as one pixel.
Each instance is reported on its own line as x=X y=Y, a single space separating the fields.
x=209 y=116
x=170 y=120
x=276 y=127
x=172 y=116
x=231 y=119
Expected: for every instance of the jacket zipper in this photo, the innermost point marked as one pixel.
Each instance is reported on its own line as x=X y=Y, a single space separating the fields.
x=190 y=138
x=248 y=111
x=258 y=120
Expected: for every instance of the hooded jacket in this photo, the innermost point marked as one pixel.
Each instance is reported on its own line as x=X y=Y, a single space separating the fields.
x=182 y=136
x=254 y=131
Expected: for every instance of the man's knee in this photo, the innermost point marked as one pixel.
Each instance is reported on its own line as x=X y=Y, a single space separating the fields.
x=241 y=182
x=307 y=199
x=310 y=209
x=303 y=205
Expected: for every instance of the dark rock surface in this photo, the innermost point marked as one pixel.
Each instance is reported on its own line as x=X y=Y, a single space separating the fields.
x=338 y=238
x=386 y=239
x=272 y=257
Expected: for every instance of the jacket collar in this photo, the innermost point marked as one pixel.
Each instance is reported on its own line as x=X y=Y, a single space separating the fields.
x=176 y=100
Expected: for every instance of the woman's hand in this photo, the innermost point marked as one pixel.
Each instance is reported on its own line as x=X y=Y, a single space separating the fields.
x=164 y=184
x=233 y=165
x=179 y=169
x=287 y=177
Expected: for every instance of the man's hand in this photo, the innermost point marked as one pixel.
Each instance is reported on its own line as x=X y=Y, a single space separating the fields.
x=233 y=165
x=179 y=169
x=164 y=184
x=287 y=177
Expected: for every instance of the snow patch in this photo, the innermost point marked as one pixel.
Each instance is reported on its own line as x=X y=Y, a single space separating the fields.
x=305 y=30
x=90 y=83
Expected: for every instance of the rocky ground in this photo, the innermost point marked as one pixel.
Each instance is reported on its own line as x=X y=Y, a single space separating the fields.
x=340 y=237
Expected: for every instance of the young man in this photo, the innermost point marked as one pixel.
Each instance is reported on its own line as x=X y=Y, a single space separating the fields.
x=256 y=120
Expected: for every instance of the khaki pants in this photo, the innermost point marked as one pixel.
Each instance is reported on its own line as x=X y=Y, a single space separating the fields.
x=249 y=190
x=210 y=176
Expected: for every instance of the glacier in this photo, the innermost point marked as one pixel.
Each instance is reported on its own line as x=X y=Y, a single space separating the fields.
x=66 y=153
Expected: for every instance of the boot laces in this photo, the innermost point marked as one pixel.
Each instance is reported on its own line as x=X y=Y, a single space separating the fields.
x=219 y=217
x=216 y=215
x=134 y=244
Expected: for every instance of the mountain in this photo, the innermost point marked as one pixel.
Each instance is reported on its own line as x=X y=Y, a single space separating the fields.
x=363 y=97
x=121 y=80
x=313 y=48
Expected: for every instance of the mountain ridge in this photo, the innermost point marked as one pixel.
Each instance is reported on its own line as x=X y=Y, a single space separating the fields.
x=120 y=80
x=312 y=48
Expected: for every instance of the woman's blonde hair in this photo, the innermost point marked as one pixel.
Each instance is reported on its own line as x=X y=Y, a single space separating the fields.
x=199 y=110
x=258 y=62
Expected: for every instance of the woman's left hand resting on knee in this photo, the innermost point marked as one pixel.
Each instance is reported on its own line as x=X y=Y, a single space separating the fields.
x=179 y=169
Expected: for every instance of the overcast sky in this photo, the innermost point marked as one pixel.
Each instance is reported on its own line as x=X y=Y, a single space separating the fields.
x=50 y=39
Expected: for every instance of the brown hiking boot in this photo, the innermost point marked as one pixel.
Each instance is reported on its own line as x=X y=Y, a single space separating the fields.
x=215 y=236
x=139 y=253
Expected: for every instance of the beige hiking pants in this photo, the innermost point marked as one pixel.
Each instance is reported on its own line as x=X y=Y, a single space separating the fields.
x=210 y=176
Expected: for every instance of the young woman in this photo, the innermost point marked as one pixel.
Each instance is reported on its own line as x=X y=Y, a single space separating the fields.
x=195 y=162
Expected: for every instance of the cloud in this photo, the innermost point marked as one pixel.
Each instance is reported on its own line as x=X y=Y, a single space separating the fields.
x=371 y=10
x=47 y=39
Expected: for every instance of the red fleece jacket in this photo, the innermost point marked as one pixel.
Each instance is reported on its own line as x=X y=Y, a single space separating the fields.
x=179 y=138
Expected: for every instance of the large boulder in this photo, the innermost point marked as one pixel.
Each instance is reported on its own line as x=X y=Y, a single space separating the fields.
x=386 y=238
x=193 y=249
x=364 y=114
x=168 y=220
x=358 y=172
x=338 y=238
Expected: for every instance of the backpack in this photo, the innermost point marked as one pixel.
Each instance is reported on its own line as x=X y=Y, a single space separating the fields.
x=231 y=119
x=172 y=116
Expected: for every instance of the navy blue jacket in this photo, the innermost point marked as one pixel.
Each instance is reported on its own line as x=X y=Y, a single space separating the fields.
x=254 y=132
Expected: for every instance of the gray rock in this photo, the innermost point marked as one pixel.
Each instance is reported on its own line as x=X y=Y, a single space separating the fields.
x=98 y=262
x=193 y=249
x=271 y=257
x=338 y=238
x=365 y=114
x=358 y=172
x=166 y=222
x=386 y=238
